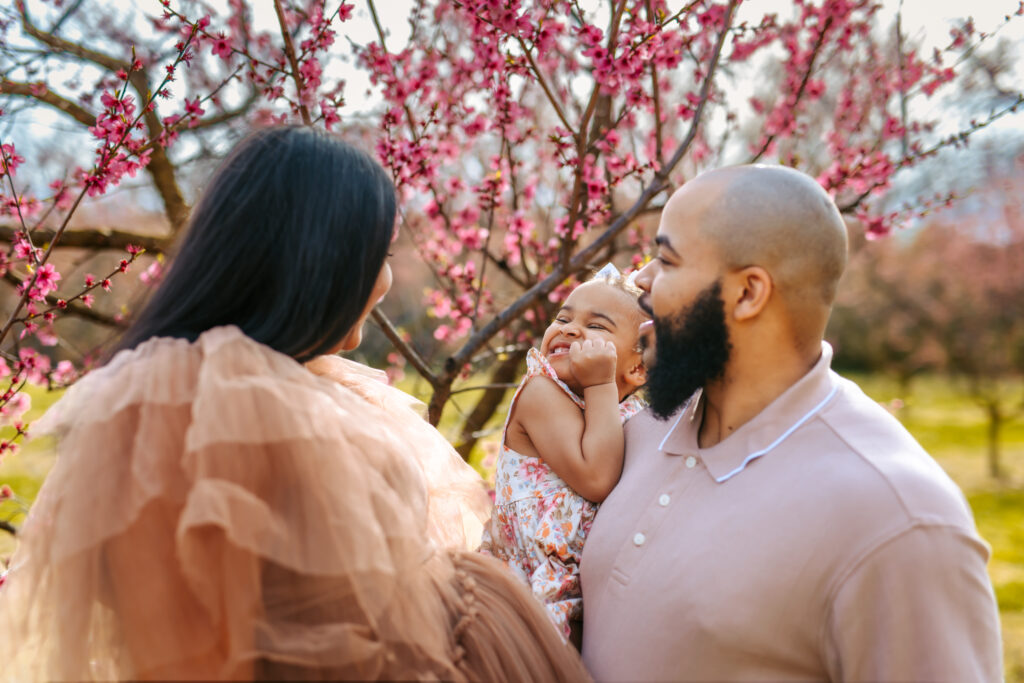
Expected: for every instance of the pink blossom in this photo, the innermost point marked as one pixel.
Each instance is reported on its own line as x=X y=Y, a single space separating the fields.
x=152 y=274
x=221 y=46
x=9 y=160
x=47 y=279
x=33 y=365
x=64 y=374
x=47 y=336
x=193 y=110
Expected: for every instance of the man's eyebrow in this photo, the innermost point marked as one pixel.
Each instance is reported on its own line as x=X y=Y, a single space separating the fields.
x=664 y=242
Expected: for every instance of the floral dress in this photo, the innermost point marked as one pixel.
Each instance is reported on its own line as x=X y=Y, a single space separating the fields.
x=539 y=524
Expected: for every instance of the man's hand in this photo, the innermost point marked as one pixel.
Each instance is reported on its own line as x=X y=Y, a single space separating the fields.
x=593 y=362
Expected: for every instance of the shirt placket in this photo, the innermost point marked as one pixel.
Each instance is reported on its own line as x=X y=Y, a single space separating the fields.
x=680 y=474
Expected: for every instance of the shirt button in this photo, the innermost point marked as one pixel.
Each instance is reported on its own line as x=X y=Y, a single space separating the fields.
x=690 y=461
x=639 y=539
x=663 y=500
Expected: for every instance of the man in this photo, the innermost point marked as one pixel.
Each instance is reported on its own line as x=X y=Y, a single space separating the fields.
x=778 y=525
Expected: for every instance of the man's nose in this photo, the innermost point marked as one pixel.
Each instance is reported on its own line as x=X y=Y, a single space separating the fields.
x=645 y=276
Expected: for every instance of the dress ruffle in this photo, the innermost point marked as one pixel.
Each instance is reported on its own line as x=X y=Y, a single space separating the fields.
x=457 y=500
x=219 y=511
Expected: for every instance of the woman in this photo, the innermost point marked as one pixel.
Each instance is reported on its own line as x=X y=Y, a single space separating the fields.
x=219 y=510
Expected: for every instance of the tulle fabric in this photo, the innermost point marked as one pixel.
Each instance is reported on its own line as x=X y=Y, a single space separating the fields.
x=458 y=506
x=219 y=511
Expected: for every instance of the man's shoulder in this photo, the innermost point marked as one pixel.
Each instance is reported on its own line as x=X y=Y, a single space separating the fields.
x=644 y=432
x=881 y=459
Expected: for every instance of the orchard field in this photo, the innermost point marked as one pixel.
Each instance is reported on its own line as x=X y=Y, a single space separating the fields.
x=950 y=427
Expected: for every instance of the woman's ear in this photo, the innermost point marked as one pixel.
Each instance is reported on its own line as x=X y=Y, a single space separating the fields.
x=751 y=288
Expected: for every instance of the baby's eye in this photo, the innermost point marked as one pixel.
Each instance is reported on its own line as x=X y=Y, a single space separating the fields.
x=597 y=326
x=561 y=319
x=662 y=261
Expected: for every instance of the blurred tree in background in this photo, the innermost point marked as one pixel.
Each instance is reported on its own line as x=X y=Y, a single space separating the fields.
x=948 y=298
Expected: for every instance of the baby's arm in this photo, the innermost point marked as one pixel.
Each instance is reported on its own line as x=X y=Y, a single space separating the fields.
x=584 y=449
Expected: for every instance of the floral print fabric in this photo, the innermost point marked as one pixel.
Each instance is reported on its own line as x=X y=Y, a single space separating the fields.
x=539 y=524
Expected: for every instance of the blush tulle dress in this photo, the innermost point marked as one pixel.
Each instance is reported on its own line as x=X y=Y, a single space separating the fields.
x=219 y=511
x=539 y=524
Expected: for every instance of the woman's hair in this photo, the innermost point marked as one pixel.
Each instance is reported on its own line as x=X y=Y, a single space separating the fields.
x=286 y=243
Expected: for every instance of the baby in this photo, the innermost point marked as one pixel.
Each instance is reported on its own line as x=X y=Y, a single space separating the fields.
x=562 y=446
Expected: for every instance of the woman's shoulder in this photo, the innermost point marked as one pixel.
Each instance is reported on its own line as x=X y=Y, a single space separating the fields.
x=167 y=371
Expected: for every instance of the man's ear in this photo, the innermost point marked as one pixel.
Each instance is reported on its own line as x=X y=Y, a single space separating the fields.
x=750 y=289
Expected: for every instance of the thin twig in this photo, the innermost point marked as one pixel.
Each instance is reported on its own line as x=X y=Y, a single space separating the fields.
x=803 y=86
x=403 y=347
x=484 y=387
x=289 y=51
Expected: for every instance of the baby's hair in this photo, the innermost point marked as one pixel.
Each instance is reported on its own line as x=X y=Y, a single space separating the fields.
x=624 y=284
x=619 y=281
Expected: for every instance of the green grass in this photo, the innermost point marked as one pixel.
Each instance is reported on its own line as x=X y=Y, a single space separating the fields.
x=25 y=469
x=948 y=425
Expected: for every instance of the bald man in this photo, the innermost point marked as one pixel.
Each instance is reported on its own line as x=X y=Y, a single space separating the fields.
x=772 y=522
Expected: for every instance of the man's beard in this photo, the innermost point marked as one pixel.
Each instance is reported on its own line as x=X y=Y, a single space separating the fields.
x=691 y=350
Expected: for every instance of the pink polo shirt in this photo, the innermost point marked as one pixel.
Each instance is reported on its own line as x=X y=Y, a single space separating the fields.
x=817 y=542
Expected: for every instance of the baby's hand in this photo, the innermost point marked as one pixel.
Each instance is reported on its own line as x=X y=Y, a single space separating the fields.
x=593 y=362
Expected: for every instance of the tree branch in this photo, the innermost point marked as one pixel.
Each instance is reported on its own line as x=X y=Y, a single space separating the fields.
x=73 y=307
x=47 y=96
x=100 y=59
x=289 y=50
x=403 y=347
x=226 y=116
x=955 y=139
x=803 y=86
x=544 y=85
x=93 y=238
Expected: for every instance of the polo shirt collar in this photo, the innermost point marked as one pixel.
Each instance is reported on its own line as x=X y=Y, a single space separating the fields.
x=758 y=437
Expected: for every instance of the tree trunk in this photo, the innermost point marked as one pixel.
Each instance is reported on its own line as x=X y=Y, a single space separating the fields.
x=905 y=381
x=505 y=373
x=995 y=424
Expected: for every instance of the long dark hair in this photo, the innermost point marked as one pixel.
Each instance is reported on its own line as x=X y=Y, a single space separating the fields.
x=286 y=243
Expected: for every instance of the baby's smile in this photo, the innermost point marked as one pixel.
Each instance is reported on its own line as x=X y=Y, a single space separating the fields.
x=558 y=348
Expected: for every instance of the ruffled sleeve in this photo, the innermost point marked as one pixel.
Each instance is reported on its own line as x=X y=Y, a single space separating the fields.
x=457 y=501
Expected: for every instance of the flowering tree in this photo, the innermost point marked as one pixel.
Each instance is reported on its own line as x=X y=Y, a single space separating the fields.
x=580 y=120
x=530 y=141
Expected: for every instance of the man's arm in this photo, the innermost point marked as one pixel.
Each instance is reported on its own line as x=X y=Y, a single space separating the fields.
x=918 y=607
